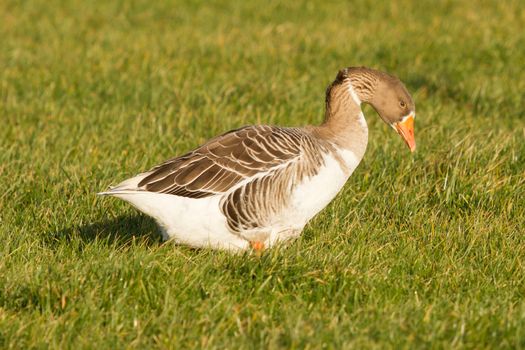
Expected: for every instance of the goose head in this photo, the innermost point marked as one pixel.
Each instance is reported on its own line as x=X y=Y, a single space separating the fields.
x=387 y=95
x=395 y=106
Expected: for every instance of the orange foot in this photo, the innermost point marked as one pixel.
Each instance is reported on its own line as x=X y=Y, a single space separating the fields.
x=257 y=246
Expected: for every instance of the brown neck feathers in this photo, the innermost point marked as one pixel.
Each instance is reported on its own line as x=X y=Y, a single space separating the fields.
x=344 y=123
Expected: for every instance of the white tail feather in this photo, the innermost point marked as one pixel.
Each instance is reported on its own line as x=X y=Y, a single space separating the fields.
x=129 y=186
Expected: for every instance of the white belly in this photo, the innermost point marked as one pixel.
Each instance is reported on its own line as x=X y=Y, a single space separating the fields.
x=195 y=222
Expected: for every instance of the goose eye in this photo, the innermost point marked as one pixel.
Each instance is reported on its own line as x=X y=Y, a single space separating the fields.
x=402 y=104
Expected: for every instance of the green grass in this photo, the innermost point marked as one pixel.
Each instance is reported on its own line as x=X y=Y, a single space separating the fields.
x=417 y=251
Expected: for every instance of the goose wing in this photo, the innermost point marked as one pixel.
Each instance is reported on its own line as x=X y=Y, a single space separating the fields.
x=226 y=161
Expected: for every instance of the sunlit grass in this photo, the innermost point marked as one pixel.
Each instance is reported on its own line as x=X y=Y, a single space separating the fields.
x=422 y=250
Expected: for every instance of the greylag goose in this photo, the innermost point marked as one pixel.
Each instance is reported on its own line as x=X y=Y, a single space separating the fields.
x=259 y=185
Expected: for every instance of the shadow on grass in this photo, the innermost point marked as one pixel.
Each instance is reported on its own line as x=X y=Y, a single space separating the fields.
x=121 y=231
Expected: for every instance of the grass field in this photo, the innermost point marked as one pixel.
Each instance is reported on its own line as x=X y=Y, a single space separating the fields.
x=418 y=251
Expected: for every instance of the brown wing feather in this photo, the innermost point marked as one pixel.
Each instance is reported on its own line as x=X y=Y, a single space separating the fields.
x=224 y=161
x=261 y=201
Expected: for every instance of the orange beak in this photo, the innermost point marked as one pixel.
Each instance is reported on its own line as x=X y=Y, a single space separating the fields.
x=405 y=128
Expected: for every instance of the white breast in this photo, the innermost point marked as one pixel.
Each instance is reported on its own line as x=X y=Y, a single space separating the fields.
x=315 y=193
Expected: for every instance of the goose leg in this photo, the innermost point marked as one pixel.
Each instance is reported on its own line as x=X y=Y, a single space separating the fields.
x=257 y=246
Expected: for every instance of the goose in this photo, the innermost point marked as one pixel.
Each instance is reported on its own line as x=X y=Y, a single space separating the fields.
x=256 y=186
